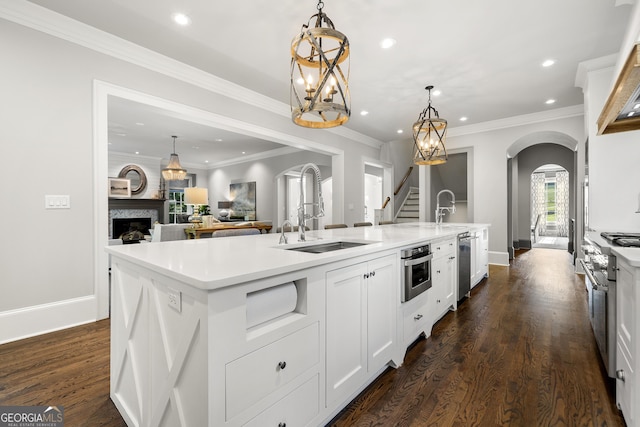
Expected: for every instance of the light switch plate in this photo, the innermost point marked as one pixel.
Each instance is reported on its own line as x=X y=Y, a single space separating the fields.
x=57 y=202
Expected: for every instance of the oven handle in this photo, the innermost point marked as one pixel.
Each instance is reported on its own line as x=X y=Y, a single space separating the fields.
x=594 y=283
x=410 y=262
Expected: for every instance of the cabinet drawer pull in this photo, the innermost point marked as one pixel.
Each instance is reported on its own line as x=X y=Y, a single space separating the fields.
x=366 y=275
x=620 y=374
x=282 y=365
x=418 y=317
x=373 y=273
x=282 y=424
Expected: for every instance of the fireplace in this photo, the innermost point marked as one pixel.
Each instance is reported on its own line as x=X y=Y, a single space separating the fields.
x=130 y=230
x=127 y=210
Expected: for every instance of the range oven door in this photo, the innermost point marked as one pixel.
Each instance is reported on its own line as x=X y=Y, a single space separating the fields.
x=602 y=315
x=416 y=276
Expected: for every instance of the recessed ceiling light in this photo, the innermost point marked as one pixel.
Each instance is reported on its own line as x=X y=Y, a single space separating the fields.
x=364 y=113
x=137 y=152
x=635 y=107
x=121 y=134
x=218 y=140
x=244 y=152
x=140 y=124
x=463 y=119
x=387 y=43
x=548 y=63
x=181 y=19
x=436 y=93
x=631 y=113
x=550 y=101
x=206 y=161
x=400 y=131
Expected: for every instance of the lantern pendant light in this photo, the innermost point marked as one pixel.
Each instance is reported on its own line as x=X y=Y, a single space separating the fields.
x=429 y=135
x=174 y=171
x=320 y=95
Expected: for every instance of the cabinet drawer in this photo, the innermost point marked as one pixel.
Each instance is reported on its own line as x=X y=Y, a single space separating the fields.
x=444 y=248
x=256 y=375
x=297 y=408
x=415 y=321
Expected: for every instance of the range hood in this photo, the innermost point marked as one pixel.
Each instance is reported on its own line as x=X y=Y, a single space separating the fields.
x=621 y=112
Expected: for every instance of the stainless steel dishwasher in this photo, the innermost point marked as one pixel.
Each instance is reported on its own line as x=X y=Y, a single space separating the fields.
x=464 y=265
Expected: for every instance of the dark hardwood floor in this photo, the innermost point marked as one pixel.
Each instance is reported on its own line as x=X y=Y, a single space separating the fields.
x=520 y=352
x=68 y=368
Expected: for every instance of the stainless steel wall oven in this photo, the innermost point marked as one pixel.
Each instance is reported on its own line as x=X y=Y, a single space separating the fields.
x=416 y=271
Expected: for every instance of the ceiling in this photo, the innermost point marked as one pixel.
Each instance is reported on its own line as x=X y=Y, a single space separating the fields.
x=484 y=56
x=145 y=130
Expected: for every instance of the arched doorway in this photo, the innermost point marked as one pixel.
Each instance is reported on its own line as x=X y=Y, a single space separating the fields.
x=550 y=207
x=525 y=155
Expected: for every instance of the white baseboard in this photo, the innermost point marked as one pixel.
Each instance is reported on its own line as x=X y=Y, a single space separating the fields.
x=499 y=258
x=31 y=321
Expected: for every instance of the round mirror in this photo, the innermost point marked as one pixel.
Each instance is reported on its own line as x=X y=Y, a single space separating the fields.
x=136 y=175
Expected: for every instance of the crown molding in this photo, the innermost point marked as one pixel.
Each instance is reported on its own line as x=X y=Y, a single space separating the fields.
x=57 y=25
x=596 y=64
x=525 y=119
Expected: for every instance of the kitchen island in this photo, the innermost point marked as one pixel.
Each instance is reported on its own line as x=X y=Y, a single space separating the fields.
x=244 y=331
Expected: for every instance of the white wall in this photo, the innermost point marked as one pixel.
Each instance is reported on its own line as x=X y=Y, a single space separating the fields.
x=51 y=275
x=614 y=173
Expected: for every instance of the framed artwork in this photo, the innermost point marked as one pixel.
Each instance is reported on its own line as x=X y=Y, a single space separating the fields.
x=119 y=187
x=243 y=195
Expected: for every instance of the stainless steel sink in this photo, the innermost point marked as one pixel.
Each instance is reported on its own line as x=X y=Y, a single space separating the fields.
x=326 y=247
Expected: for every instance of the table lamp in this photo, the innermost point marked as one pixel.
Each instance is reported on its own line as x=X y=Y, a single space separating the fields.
x=196 y=196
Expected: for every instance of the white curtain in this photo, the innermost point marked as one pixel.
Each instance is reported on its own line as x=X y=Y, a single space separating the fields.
x=539 y=202
x=562 y=203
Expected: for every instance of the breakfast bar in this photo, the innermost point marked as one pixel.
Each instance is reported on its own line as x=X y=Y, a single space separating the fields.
x=245 y=331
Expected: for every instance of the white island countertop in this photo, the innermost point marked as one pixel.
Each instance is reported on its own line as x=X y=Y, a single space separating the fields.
x=220 y=262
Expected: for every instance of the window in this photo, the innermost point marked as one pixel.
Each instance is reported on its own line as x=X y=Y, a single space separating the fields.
x=176 y=198
x=550 y=192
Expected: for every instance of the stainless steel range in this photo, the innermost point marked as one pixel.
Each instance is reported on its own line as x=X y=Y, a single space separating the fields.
x=600 y=270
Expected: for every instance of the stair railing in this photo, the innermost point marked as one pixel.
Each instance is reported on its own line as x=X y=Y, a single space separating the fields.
x=404 y=180
x=386 y=202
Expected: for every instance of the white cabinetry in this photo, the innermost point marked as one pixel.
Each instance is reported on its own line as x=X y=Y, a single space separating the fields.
x=627 y=396
x=479 y=255
x=361 y=323
x=200 y=363
x=417 y=318
x=443 y=278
